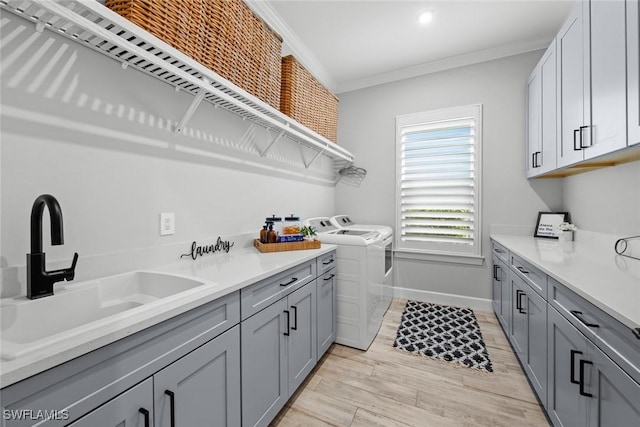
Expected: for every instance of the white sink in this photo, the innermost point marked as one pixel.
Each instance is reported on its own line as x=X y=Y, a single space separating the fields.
x=28 y=325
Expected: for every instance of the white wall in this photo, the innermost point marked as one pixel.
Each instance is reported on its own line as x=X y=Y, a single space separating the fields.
x=99 y=139
x=367 y=128
x=605 y=200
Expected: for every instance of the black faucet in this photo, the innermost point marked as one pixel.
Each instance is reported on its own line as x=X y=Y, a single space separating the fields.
x=39 y=281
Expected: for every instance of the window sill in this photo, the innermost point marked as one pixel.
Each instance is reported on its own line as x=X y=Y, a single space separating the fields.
x=438 y=257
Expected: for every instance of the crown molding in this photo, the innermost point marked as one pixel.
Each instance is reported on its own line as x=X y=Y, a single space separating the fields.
x=444 y=64
x=292 y=42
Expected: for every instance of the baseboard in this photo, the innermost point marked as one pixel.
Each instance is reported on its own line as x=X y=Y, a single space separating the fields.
x=440 y=298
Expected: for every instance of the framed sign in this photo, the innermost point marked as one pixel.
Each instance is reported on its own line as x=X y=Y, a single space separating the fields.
x=548 y=222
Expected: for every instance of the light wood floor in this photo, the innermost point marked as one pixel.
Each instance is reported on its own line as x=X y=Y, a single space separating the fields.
x=385 y=387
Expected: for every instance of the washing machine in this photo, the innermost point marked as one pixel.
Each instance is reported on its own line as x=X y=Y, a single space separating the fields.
x=344 y=221
x=359 y=281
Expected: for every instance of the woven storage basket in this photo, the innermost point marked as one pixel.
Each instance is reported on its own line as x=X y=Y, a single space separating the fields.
x=223 y=35
x=304 y=99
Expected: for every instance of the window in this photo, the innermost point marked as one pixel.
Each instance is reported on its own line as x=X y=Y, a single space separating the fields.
x=438 y=182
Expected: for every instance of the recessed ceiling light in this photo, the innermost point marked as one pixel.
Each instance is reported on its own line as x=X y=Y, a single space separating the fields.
x=425 y=17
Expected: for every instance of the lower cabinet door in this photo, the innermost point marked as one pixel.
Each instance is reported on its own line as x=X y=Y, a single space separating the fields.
x=264 y=363
x=326 y=312
x=203 y=387
x=566 y=407
x=505 y=297
x=497 y=289
x=518 y=329
x=613 y=396
x=535 y=361
x=133 y=408
x=301 y=342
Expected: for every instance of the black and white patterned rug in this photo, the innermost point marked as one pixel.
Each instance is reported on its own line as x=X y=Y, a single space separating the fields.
x=443 y=332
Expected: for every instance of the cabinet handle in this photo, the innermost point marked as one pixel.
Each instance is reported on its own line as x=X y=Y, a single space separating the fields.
x=329 y=278
x=147 y=419
x=498 y=250
x=172 y=406
x=573 y=366
x=582 y=392
x=522 y=270
x=495 y=272
x=578 y=315
x=295 y=317
x=581 y=144
x=534 y=159
x=575 y=146
x=636 y=332
x=519 y=306
x=328 y=262
x=293 y=280
x=286 y=334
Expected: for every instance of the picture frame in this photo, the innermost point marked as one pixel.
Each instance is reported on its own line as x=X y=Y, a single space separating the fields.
x=546 y=226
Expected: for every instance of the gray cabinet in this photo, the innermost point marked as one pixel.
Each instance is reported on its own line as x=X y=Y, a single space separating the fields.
x=200 y=389
x=633 y=72
x=541 y=115
x=229 y=362
x=613 y=398
x=301 y=340
x=607 y=84
x=571 y=87
x=565 y=405
x=501 y=292
x=529 y=334
x=582 y=364
x=326 y=311
x=592 y=81
x=203 y=387
x=264 y=364
x=585 y=386
x=133 y=408
x=279 y=350
x=501 y=285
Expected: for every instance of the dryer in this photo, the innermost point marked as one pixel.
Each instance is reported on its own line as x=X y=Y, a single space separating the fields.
x=344 y=221
x=360 y=296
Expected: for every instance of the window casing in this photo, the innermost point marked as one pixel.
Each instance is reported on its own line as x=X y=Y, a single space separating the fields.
x=438 y=162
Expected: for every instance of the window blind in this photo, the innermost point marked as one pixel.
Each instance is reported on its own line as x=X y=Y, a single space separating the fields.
x=437 y=179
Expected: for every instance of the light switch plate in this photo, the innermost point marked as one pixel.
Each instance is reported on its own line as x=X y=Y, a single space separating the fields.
x=167 y=223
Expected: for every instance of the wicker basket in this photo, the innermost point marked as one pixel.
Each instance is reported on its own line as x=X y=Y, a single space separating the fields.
x=223 y=35
x=304 y=99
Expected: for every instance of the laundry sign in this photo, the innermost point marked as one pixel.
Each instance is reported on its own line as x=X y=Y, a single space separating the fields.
x=200 y=250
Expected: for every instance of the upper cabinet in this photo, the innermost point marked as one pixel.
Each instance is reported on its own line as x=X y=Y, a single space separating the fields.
x=633 y=70
x=591 y=82
x=541 y=115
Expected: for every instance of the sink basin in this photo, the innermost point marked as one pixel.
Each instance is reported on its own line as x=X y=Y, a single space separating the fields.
x=28 y=325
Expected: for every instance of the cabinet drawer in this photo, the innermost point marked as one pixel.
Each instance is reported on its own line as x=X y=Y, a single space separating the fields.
x=615 y=339
x=325 y=262
x=500 y=251
x=531 y=275
x=264 y=293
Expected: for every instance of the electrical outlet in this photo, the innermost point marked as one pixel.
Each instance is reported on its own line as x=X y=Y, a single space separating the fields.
x=167 y=223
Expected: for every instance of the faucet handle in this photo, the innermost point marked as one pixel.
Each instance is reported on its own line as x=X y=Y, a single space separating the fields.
x=70 y=273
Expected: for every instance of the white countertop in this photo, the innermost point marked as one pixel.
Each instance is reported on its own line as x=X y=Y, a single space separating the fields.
x=588 y=266
x=223 y=273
